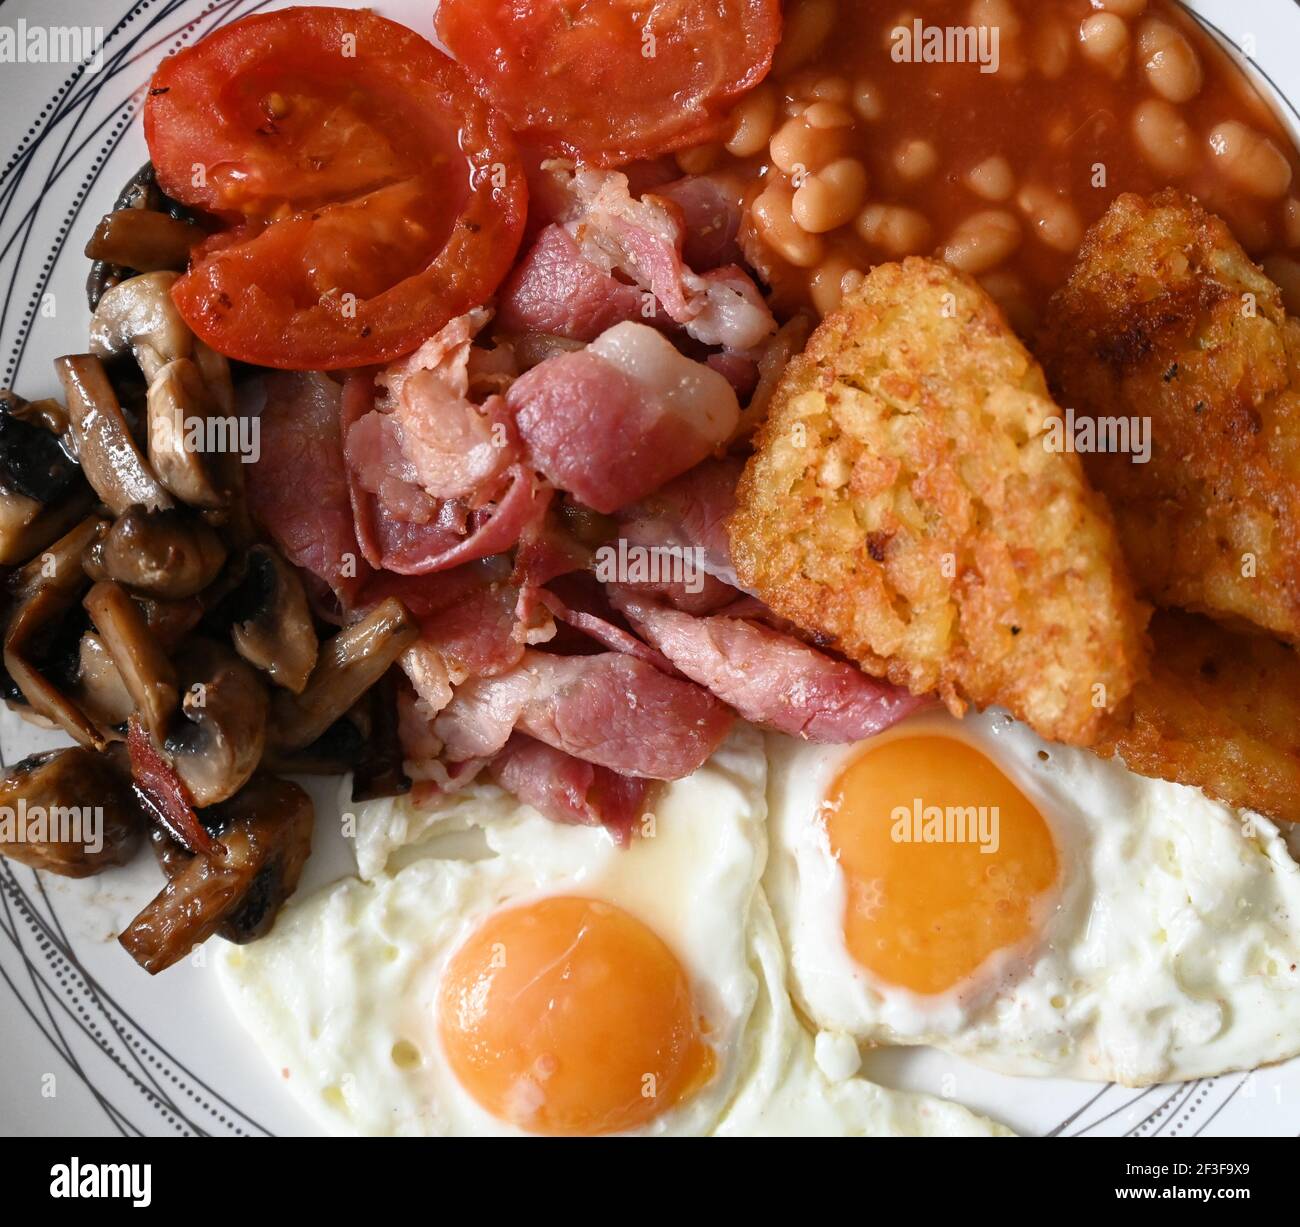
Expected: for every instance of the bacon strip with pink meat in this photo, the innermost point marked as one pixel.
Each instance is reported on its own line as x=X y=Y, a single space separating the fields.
x=435 y=480
x=569 y=790
x=642 y=240
x=613 y=422
x=298 y=488
x=770 y=678
x=624 y=255
x=611 y=709
x=557 y=291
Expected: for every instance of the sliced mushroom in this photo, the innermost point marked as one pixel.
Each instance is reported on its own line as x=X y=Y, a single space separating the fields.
x=273 y=628
x=141 y=192
x=349 y=664
x=42 y=491
x=218 y=745
x=100 y=690
x=167 y=554
x=138 y=317
x=147 y=674
x=179 y=403
x=109 y=457
x=73 y=813
x=44 y=592
x=144 y=240
x=266 y=835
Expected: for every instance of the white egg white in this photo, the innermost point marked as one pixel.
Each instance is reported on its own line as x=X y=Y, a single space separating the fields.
x=1170 y=950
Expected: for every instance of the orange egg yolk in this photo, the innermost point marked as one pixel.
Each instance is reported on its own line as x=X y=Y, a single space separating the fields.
x=570 y=1016
x=946 y=861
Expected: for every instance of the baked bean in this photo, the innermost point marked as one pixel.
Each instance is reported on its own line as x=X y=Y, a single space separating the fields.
x=1122 y=8
x=895 y=229
x=699 y=160
x=807 y=25
x=1054 y=220
x=1052 y=46
x=993 y=179
x=868 y=101
x=1250 y=160
x=999 y=13
x=983 y=241
x=916 y=159
x=752 y=122
x=831 y=197
x=1013 y=62
x=1164 y=137
x=836 y=276
x=827 y=115
x=798 y=145
x=1285 y=272
x=1104 y=40
x=817 y=87
x=894 y=30
x=774 y=220
x=1173 y=68
x=1291 y=222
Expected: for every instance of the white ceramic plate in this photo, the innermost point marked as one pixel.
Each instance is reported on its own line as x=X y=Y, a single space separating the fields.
x=91 y=1045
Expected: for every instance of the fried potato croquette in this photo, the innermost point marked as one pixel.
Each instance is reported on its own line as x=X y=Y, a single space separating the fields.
x=903 y=506
x=1221 y=712
x=1166 y=321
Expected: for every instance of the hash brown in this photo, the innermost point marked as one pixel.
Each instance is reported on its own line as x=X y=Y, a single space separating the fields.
x=1165 y=318
x=902 y=506
x=1220 y=712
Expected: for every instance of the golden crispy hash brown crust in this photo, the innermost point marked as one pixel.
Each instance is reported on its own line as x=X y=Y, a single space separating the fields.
x=903 y=506
x=1166 y=318
x=1221 y=712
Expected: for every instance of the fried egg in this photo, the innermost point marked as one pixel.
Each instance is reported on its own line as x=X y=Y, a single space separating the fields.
x=967 y=885
x=497 y=973
x=557 y=984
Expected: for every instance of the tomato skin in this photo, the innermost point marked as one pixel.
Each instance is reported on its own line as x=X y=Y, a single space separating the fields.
x=613 y=81
x=369 y=193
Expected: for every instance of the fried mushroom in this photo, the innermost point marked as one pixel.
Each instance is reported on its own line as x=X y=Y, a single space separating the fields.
x=68 y=812
x=42 y=491
x=140 y=193
x=109 y=456
x=218 y=745
x=43 y=593
x=349 y=664
x=166 y=554
x=179 y=401
x=144 y=240
x=265 y=838
x=273 y=627
x=138 y=317
x=146 y=672
x=100 y=690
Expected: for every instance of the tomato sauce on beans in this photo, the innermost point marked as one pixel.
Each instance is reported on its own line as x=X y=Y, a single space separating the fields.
x=855 y=155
